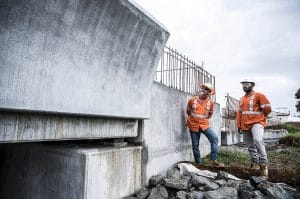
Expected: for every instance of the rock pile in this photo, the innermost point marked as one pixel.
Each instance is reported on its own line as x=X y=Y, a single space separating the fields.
x=190 y=185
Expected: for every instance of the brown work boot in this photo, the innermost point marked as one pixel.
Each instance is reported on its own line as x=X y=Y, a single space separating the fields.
x=215 y=163
x=255 y=166
x=264 y=170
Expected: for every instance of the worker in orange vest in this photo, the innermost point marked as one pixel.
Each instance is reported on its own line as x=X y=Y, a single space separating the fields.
x=251 y=120
x=199 y=110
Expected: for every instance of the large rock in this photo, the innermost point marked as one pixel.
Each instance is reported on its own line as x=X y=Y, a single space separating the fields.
x=195 y=195
x=155 y=180
x=222 y=193
x=158 y=192
x=273 y=190
x=220 y=182
x=255 y=180
x=247 y=191
x=203 y=181
x=233 y=183
x=177 y=183
x=181 y=195
x=143 y=193
x=222 y=175
x=174 y=172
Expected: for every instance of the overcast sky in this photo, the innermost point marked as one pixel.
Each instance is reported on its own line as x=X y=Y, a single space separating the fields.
x=238 y=39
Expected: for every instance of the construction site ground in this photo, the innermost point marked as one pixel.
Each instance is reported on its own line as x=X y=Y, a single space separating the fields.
x=284 y=164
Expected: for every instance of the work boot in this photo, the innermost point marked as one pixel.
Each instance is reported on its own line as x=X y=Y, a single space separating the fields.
x=215 y=163
x=255 y=166
x=264 y=170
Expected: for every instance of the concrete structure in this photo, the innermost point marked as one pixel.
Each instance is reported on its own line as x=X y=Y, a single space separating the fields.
x=276 y=118
x=166 y=137
x=275 y=134
x=78 y=57
x=230 y=137
x=58 y=171
x=22 y=127
x=84 y=70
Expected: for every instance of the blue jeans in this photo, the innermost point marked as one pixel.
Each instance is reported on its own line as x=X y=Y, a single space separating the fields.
x=213 y=139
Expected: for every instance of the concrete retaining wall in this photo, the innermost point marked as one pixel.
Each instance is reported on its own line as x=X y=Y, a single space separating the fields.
x=166 y=137
x=230 y=137
x=78 y=57
x=30 y=171
x=275 y=134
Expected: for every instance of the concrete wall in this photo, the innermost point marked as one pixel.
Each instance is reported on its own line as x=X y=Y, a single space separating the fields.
x=275 y=134
x=31 y=171
x=78 y=57
x=230 y=137
x=166 y=137
x=29 y=127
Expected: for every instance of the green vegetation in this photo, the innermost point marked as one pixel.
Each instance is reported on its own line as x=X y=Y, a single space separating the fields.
x=230 y=158
x=292 y=129
x=293 y=138
x=289 y=158
x=284 y=165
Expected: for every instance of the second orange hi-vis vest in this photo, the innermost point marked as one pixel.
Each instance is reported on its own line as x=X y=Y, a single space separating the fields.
x=199 y=113
x=253 y=109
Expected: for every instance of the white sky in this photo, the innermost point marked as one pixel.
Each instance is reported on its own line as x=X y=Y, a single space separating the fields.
x=238 y=39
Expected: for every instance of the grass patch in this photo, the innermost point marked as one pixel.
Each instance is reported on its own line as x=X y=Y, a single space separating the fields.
x=229 y=158
x=291 y=128
x=284 y=166
x=290 y=159
x=293 y=138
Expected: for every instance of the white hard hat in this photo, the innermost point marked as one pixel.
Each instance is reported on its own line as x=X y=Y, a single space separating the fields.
x=248 y=81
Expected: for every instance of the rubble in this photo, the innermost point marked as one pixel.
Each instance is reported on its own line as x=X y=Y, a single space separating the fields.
x=186 y=182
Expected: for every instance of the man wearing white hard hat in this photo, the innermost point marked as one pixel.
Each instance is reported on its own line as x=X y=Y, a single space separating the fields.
x=251 y=120
x=199 y=110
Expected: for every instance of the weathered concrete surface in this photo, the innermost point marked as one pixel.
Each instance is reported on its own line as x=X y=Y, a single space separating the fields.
x=23 y=127
x=78 y=57
x=275 y=134
x=166 y=137
x=230 y=137
x=34 y=171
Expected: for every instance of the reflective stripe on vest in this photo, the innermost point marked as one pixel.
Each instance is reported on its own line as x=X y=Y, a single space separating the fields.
x=251 y=102
x=199 y=116
x=265 y=105
x=195 y=104
x=252 y=113
x=202 y=116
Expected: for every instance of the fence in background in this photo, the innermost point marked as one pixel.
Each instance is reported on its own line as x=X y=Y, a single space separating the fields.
x=229 y=114
x=177 y=71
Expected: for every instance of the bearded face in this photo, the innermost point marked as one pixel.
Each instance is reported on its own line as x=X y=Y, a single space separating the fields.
x=247 y=86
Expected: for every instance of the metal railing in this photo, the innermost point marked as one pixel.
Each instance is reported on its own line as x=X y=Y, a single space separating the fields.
x=178 y=71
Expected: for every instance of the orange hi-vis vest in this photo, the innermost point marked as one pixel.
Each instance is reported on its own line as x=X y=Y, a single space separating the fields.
x=199 y=114
x=253 y=109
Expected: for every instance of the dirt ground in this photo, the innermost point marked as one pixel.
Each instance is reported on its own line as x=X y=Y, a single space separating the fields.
x=284 y=166
x=290 y=177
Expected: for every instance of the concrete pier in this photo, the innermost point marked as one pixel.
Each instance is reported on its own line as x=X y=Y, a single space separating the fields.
x=66 y=171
